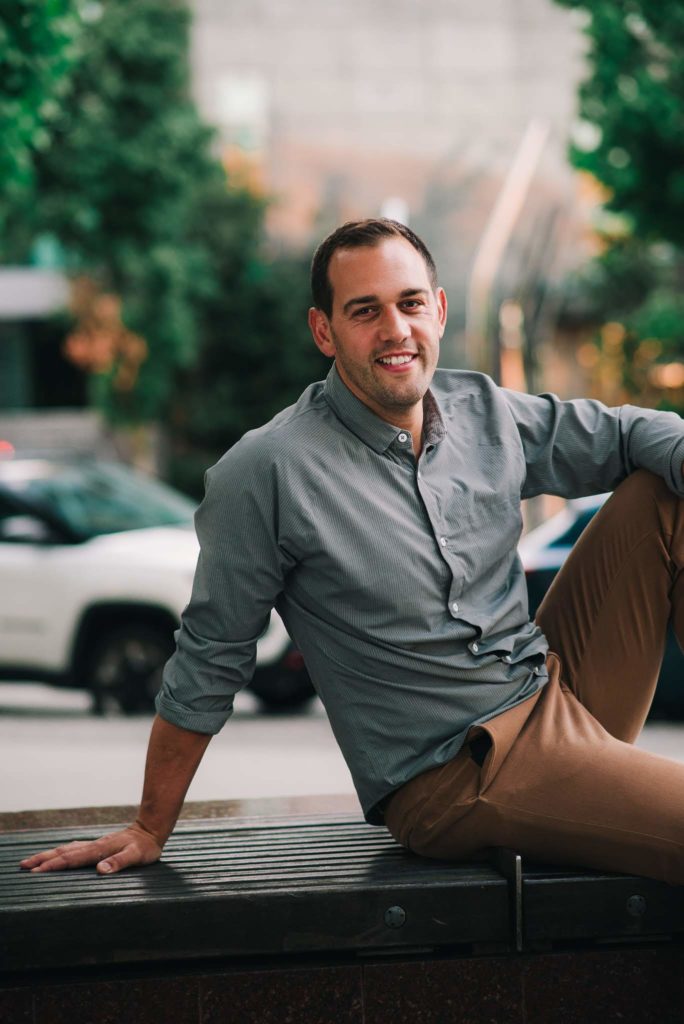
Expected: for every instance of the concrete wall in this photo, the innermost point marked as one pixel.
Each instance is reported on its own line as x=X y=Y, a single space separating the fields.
x=336 y=107
x=357 y=101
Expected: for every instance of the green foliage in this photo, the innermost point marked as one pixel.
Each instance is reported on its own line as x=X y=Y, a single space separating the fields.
x=37 y=48
x=120 y=183
x=617 y=282
x=631 y=138
x=634 y=99
x=129 y=193
x=256 y=354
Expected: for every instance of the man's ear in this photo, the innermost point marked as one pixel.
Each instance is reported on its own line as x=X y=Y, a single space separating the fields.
x=440 y=296
x=322 y=334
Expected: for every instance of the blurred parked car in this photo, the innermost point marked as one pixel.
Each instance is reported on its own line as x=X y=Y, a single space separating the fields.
x=543 y=551
x=96 y=566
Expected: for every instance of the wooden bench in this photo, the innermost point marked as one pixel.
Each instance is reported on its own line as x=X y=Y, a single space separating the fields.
x=274 y=897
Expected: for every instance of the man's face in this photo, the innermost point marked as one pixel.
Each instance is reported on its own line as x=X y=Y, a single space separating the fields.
x=385 y=326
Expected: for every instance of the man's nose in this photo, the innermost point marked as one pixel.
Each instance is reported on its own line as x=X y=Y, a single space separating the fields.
x=393 y=325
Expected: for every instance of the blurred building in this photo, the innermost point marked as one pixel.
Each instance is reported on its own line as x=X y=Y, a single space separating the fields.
x=453 y=116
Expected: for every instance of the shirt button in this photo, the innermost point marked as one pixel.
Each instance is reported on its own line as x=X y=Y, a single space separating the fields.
x=474 y=647
x=537 y=670
x=403 y=438
x=507 y=659
x=418 y=474
x=454 y=606
x=443 y=541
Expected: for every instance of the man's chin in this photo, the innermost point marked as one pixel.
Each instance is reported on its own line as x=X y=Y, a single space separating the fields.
x=401 y=399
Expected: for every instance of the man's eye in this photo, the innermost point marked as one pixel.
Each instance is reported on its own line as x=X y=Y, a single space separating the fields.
x=412 y=304
x=364 y=311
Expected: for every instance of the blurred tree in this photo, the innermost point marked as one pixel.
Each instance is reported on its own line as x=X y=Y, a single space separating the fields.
x=631 y=136
x=38 y=45
x=119 y=186
x=179 y=306
x=256 y=354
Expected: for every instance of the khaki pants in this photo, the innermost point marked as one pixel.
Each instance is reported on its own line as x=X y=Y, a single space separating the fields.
x=560 y=780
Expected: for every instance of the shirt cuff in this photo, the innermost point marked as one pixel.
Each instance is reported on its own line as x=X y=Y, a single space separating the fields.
x=208 y=722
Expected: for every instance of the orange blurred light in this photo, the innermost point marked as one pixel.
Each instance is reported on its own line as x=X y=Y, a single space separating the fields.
x=613 y=335
x=668 y=375
x=587 y=355
x=6 y=448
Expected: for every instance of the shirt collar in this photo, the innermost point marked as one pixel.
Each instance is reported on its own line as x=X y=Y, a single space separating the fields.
x=377 y=433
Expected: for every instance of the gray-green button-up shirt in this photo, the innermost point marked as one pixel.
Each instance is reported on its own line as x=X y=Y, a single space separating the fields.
x=397 y=578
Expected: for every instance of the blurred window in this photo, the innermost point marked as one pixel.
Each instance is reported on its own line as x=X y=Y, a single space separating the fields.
x=241 y=108
x=97 y=498
x=571 y=535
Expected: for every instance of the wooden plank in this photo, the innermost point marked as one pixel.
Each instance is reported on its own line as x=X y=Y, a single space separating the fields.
x=245 y=887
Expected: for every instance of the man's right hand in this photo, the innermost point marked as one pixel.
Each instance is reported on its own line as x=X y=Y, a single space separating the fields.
x=173 y=755
x=130 y=847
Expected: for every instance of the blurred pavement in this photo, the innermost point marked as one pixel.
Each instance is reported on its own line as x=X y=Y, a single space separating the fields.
x=54 y=754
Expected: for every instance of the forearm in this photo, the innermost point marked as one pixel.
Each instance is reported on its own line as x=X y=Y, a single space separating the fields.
x=173 y=755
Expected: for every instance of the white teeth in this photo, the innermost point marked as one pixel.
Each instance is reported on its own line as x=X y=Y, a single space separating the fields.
x=395 y=360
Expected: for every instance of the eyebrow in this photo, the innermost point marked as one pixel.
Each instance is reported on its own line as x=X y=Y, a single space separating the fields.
x=364 y=300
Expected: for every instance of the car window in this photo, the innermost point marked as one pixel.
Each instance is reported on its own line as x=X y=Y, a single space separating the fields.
x=97 y=498
x=567 y=539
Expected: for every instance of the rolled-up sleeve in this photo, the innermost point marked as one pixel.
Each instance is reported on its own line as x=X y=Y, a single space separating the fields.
x=240 y=572
x=582 y=447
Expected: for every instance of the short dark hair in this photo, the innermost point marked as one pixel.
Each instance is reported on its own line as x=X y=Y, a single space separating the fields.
x=356 y=234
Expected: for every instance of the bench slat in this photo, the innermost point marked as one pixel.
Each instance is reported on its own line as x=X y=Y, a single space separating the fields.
x=244 y=887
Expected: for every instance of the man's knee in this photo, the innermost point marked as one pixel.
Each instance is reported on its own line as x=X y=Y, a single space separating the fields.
x=642 y=483
x=642 y=493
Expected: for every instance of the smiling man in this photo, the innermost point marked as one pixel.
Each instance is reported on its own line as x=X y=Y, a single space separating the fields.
x=382 y=331
x=380 y=515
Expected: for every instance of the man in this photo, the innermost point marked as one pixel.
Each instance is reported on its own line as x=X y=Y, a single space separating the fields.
x=380 y=515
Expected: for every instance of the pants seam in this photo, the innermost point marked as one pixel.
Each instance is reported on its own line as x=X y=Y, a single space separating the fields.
x=579 y=821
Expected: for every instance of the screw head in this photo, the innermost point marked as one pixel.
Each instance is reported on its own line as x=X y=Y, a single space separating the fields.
x=636 y=906
x=395 y=917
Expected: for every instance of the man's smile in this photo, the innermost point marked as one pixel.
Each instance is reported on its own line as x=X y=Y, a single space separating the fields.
x=397 y=362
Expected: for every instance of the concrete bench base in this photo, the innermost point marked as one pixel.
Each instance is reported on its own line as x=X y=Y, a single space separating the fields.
x=630 y=986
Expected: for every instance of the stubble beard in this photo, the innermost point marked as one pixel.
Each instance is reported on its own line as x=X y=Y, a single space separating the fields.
x=390 y=395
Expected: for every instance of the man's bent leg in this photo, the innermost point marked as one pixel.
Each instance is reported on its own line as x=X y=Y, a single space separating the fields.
x=568 y=788
x=568 y=793
x=606 y=613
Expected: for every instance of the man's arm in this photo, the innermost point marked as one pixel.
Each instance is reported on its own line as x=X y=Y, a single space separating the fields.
x=240 y=572
x=173 y=755
x=581 y=446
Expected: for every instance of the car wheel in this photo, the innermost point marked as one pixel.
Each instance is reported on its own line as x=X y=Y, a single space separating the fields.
x=284 y=686
x=125 y=665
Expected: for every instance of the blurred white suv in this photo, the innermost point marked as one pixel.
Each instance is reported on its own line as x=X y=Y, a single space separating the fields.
x=96 y=566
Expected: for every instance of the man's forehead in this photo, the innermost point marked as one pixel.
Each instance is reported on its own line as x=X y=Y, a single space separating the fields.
x=393 y=262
